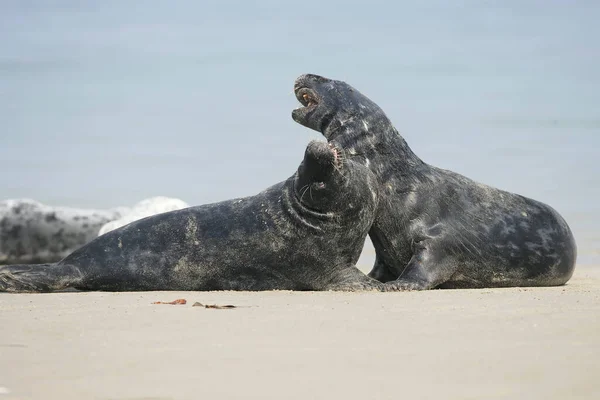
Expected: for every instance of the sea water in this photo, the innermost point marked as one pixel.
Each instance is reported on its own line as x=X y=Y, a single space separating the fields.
x=105 y=103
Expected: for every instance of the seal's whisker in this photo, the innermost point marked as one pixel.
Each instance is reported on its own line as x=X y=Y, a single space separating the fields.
x=305 y=187
x=337 y=168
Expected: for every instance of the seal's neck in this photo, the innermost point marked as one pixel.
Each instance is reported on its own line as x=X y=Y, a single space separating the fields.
x=375 y=138
x=297 y=211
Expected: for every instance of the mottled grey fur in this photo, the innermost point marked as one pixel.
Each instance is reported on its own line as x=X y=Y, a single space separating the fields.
x=31 y=232
x=436 y=228
x=305 y=233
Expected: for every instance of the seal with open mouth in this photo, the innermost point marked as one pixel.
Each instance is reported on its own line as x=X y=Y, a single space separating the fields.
x=305 y=233
x=436 y=228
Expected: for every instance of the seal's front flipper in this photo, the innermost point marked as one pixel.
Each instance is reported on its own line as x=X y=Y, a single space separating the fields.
x=354 y=280
x=36 y=277
x=425 y=270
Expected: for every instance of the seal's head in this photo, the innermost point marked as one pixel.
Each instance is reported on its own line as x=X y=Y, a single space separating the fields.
x=329 y=105
x=328 y=182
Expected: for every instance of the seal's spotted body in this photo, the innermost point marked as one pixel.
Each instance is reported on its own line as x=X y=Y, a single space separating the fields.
x=305 y=233
x=436 y=228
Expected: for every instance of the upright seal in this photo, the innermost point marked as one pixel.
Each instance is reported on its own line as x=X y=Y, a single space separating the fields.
x=305 y=233
x=435 y=228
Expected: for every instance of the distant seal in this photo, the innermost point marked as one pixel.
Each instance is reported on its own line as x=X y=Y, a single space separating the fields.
x=32 y=232
x=435 y=228
x=305 y=233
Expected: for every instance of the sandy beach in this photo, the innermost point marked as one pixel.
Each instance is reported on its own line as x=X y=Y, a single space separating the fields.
x=529 y=343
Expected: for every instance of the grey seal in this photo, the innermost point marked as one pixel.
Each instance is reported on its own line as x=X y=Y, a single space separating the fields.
x=435 y=228
x=305 y=233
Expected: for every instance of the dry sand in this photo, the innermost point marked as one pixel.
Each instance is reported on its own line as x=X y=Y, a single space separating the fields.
x=529 y=343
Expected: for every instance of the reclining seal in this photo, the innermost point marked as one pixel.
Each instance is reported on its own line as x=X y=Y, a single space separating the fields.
x=305 y=233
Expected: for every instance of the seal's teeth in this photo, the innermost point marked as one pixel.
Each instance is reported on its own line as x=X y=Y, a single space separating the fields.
x=336 y=155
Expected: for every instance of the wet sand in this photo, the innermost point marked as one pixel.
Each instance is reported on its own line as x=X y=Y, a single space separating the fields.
x=513 y=343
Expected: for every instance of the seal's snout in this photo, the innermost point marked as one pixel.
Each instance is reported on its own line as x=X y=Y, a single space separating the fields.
x=317 y=104
x=323 y=156
x=319 y=150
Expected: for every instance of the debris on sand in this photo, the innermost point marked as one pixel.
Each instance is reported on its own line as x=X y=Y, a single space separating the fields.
x=173 y=303
x=218 y=307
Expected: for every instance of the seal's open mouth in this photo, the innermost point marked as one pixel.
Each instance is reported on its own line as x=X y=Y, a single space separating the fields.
x=337 y=156
x=306 y=97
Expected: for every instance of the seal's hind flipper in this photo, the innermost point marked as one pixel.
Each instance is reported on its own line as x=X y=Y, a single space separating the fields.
x=352 y=279
x=35 y=277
